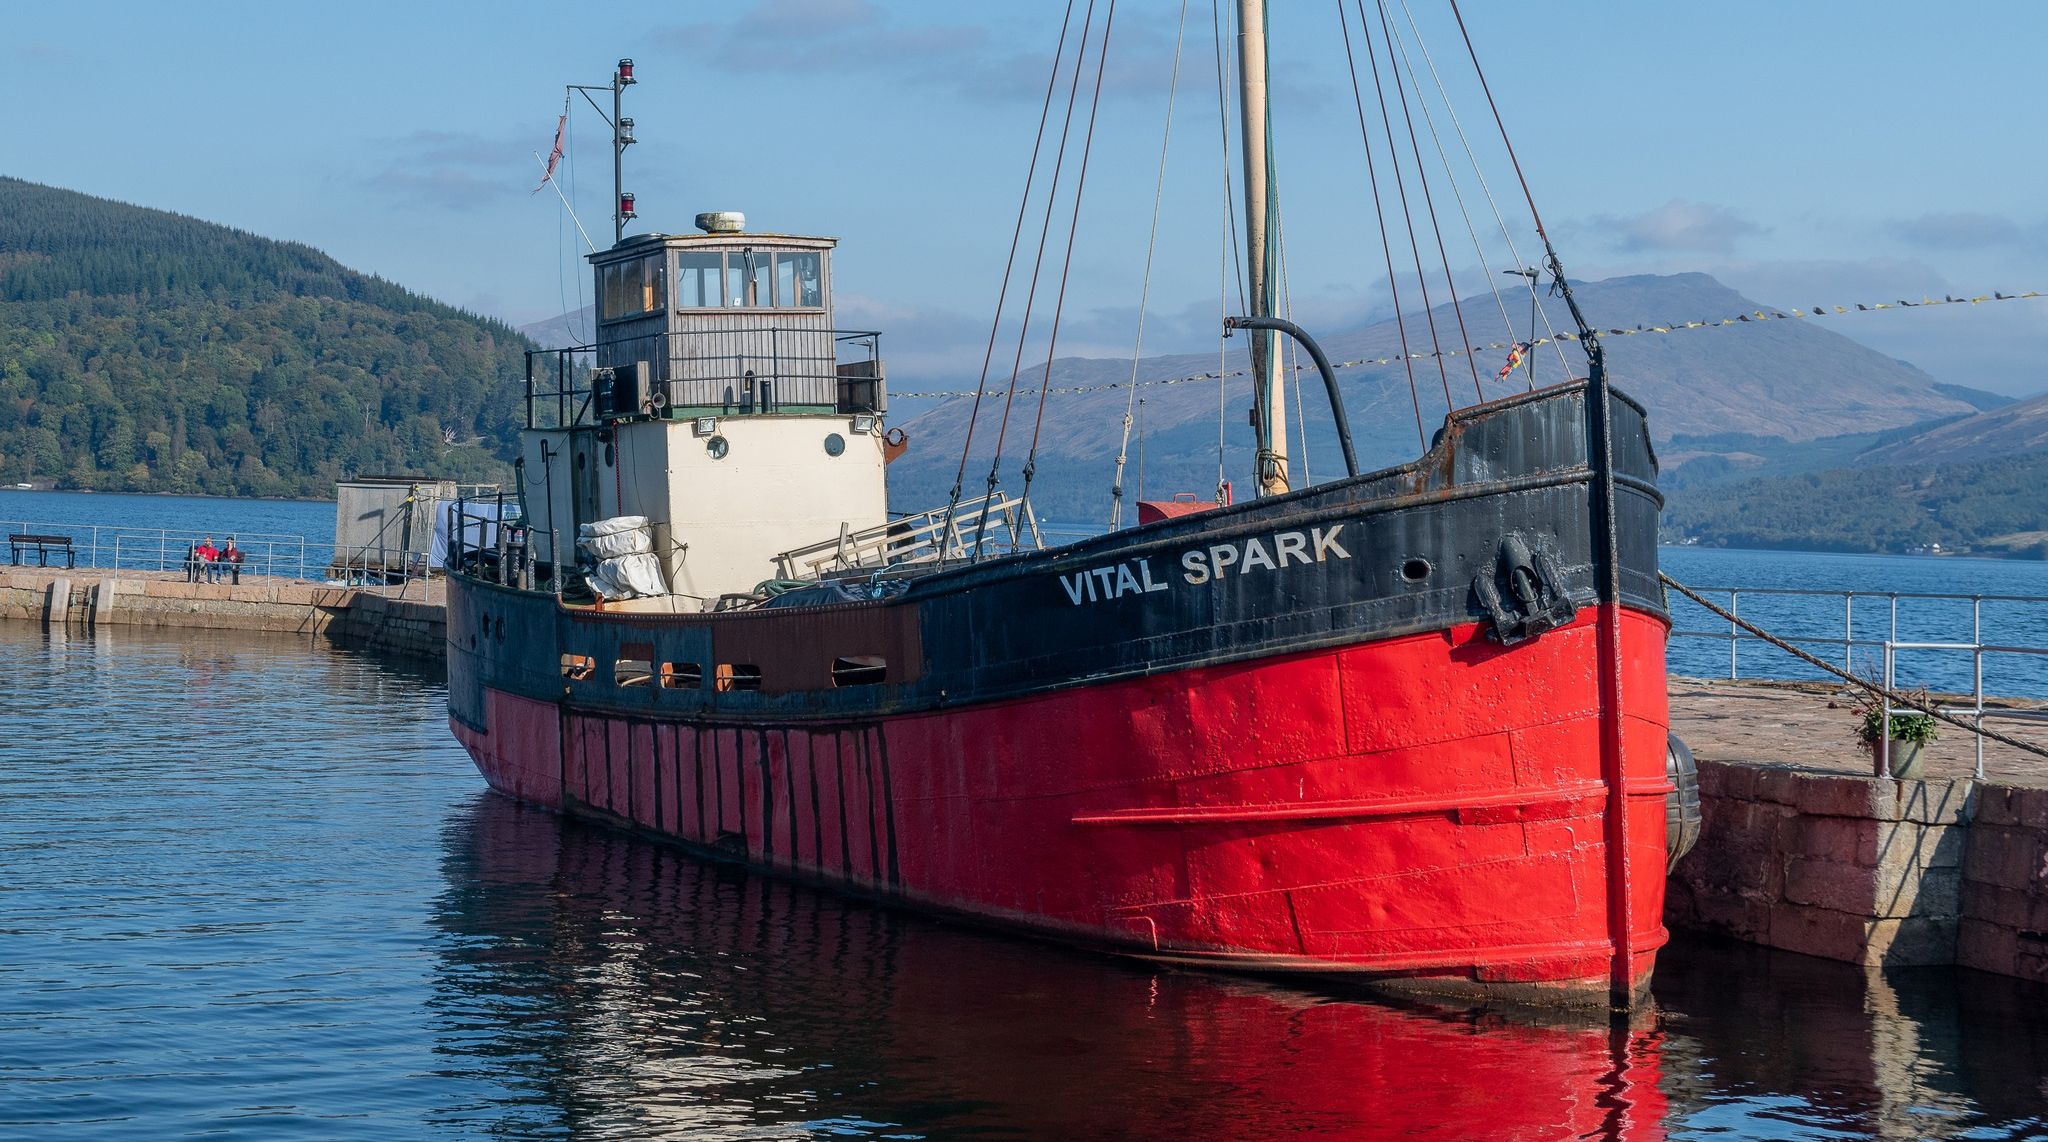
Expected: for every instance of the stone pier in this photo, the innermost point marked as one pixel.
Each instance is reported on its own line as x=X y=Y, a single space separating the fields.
x=1801 y=851
x=371 y=618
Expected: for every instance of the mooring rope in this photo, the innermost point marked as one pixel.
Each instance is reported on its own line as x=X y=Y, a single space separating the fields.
x=1896 y=697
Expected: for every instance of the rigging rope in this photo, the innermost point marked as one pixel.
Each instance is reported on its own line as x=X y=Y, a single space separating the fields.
x=1493 y=203
x=1896 y=697
x=1379 y=211
x=1428 y=200
x=1009 y=264
x=1037 y=265
x=1116 y=491
x=1229 y=259
x=1407 y=215
x=1066 y=266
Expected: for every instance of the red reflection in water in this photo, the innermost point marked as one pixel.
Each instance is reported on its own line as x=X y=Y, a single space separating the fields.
x=816 y=1008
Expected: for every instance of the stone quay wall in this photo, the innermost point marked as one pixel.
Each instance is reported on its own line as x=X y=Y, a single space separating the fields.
x=87 y=599
x=1870 y=870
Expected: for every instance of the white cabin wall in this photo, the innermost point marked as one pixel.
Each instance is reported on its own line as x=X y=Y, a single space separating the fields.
x=775 y=489
x=549 y=498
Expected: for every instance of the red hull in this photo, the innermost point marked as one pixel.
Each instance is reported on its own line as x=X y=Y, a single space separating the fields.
x=1428 y=808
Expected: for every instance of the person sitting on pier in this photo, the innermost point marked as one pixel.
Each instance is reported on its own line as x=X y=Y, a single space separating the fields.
x=208 y=555
x=231 y=559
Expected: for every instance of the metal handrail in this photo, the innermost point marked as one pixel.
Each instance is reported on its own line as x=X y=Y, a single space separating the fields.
x=558 y=380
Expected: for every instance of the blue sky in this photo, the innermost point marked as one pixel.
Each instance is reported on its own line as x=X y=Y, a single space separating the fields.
x=1802 y=153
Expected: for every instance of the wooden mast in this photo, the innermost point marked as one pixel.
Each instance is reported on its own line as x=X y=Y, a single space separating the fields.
x=1269 y=409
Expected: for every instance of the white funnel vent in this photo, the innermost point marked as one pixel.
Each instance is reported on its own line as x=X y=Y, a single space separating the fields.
x=721 y=222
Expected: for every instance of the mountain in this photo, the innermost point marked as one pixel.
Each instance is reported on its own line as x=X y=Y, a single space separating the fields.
x=1790 y=381
x=2015 y=428
x=148 y=351
x=563 y=331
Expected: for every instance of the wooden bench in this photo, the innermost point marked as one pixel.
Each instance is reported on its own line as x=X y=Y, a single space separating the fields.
x=44 y=546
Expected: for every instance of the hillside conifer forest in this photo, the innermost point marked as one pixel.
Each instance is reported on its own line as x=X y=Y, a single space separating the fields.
x=150 y=352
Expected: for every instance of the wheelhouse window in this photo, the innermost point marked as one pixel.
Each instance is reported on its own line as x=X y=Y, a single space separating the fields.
x=749 y=278
x=633 y=287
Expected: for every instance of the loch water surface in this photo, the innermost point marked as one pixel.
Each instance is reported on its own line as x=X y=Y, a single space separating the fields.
x=253 y=890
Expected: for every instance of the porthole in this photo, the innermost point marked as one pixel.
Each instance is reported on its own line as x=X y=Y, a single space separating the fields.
x=1415 y=570
x=738 y=676
x=717 y=447
x=681 y=676
x=859 y=670
x=834 y=444
x=578 y=667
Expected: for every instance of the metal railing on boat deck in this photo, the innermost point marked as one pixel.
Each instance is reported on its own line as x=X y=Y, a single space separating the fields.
x=756 y=369
x=999 y=522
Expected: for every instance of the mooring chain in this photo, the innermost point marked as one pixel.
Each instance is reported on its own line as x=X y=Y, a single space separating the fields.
x=1897 y=698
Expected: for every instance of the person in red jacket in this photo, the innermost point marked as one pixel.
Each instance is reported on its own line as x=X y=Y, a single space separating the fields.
x=209 y=559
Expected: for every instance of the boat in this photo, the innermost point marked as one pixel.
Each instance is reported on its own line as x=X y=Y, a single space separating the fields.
x=1406 y=727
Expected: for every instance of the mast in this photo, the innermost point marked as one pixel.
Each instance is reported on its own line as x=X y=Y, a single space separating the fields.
x=622 y=137
x=1269 y=408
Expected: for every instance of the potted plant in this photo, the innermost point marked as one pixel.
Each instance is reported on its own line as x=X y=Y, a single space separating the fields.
x=1910 y=731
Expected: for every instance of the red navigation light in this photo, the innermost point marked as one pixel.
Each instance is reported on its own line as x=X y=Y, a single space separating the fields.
x=626 y=206
x=626 y=73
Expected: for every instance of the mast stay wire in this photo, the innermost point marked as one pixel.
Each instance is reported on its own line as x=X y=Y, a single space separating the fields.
x=1009 y=265
x=1287 y=309
x=1479 y=172
x=1228 y=261
x=1379 y=211
x=1067 y=263
x=1037 y=266
x=1407 y=213
x=1116 y=491
x=1395 y=66
x=1450 y=174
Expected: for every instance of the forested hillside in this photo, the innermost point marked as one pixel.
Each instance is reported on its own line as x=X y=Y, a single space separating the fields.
x=146 y=351
x=1991 y=506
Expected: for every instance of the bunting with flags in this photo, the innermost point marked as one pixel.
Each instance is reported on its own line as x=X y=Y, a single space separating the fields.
x=1515 y=355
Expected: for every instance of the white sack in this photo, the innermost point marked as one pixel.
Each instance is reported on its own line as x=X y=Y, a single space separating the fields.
x=636 y=542
x=612 y=526
x=628 y=576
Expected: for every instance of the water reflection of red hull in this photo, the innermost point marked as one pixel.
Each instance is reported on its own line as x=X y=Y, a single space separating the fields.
x=1410 y=807
x=812 y=1008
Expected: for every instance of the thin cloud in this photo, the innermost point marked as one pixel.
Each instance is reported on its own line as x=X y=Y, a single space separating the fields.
x=1677 y=225
x=1959 y=230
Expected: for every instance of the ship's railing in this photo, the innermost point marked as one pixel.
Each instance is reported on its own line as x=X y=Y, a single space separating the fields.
x=1926 y=639
x=739 y=371
x=998 y=524
x=488 y=538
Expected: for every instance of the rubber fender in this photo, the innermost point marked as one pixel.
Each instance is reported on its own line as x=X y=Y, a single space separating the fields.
x=1681 y=805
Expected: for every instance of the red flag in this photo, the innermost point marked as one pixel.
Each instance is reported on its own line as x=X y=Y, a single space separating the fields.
x=554 y=156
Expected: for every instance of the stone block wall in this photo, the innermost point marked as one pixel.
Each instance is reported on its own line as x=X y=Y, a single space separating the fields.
x=86 y=599
x=1869 y=870
x=2004 y=921
x=1850 y=868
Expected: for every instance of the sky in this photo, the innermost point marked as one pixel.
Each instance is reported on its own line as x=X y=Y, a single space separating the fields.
x=1802 y=153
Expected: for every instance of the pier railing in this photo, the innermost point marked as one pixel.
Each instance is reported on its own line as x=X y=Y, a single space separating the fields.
x=108 y=547
x=1983 y=648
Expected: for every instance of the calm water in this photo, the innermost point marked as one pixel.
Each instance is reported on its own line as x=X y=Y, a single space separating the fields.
x=253 y=890
x=1817 y=624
